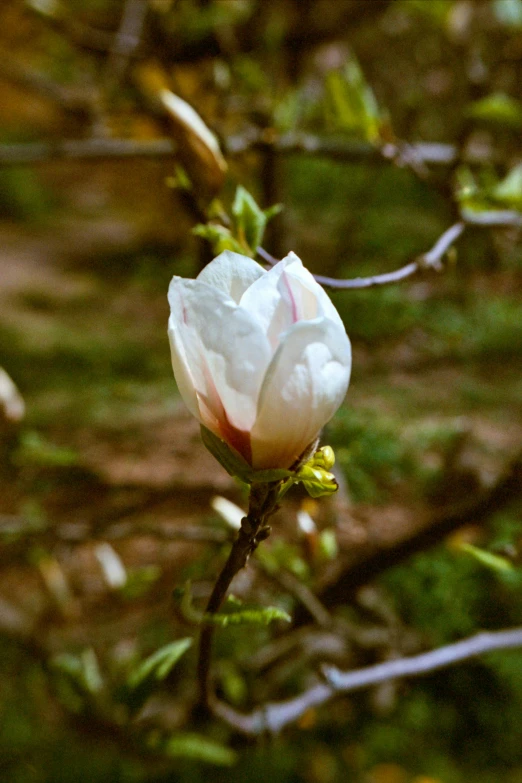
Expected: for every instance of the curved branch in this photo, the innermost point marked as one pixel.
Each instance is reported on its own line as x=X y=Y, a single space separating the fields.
x=432 y=259
x=273 y=717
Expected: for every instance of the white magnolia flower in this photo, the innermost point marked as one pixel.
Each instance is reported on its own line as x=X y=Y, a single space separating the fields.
x=261 y=358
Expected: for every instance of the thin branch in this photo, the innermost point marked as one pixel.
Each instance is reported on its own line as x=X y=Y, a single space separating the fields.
x=301 y=592
x=273 y=717
x=253 y=530
x=76 y=31
x=69 y=98
x=86 y=149
x=430 y=260
x=286 y=144
x=126 y=41
x=342 y=149
x=417 y=156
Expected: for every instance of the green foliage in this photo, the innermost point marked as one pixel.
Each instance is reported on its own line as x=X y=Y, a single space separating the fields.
x=484 y=191
x=35 y=450
x=250 y=220
x=487 y=326
x=488 y=559
x=350 y=105
x=235 y=465
x=278 y=554
x=197 y=747
x=139 y=581
x=497 y=109
x=373 y=455
x=158 y=665
x=509 y=190
x=23 y=197
x=233 y=612
x=79 y=678
x=219 y=237
x=318 y=482
x=447 y=594
x=435 y=10
x=241 y=234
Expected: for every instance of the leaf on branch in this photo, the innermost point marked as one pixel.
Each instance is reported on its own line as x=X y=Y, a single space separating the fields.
x=249 y=616
x=488 y=559
x=234 y=612
x=509 y=190
x=497 y=108
x=250 y=219
x=484 y=193
x=195 y=746
x=351 y=105
x=234 y=463
x=248 y=224
x=143 y=680
x=219 y=237
x=82 y=671
x=158 y=665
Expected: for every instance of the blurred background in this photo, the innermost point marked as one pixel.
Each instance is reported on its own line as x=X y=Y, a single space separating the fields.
x=376 y=125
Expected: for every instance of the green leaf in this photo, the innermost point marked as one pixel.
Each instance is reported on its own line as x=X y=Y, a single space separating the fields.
x=194 y=746
x=219 y=237
x=509 y=190
x=139 y=581
x=234 y=463
x=317 y=481
x=83 y=670
x=233 y=614
x=272 y=211
x=158 y=665
x=35 y=450
x=328 y=545
x=488 y=559
x=250 y=219
x=251 y=616
x=497 y=108
x=350 y=103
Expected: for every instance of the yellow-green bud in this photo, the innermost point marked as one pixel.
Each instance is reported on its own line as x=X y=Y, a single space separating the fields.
x=317 y=481
x=324 y=458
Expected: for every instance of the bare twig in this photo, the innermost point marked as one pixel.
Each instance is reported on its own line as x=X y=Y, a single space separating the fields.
x=126 y=41
x=335 y=149
x=417 y=156
x=253 y=530
x=302 y=593
x=76 y=31
x=69 y=98
x=430 y=260
x=273 y=717
x=342 y=149
x=93 y=148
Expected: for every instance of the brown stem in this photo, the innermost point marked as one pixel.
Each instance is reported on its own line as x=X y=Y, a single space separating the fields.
x=262 y=504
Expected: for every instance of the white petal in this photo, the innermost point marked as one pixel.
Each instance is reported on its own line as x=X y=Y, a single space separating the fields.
x=304 y=385
x=270 y=302
x=222 y=349
x=285 y=295
x=182 y=374
x=315 y=300
x=231 y=273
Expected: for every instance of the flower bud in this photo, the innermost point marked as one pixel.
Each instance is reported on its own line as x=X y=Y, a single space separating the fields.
x=261 y=358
